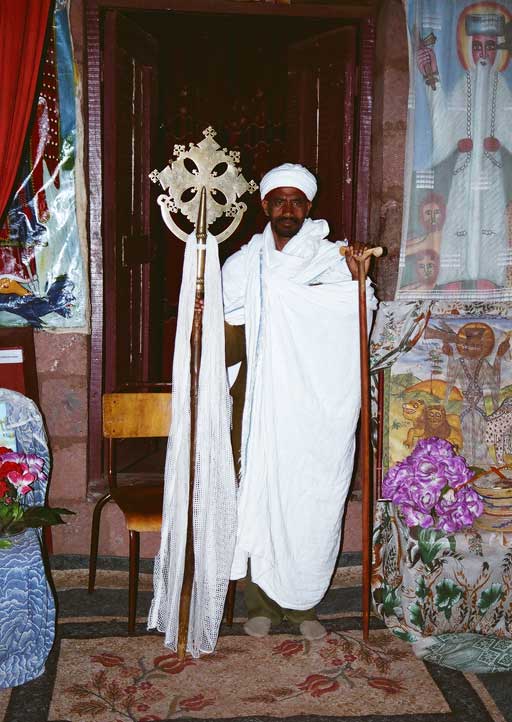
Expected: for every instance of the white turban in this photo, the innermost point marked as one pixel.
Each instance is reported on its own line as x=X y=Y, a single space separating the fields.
x=289 y=175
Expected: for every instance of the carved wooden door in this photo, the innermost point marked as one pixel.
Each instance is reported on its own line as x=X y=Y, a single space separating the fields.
x=132 y=277
x=321 y=121
x=131 y=274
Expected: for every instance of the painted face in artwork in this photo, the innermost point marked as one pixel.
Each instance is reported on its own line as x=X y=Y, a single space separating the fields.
x=427 y=267
x=475 y=340
x=432 y=212
x=483 y=49
x=287 y=209
x=431 y=216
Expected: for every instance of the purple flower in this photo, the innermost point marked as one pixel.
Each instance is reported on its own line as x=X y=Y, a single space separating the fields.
x=414 y=517
x=438 y=448
x=430 y=488
x=456 y=471
x=396 y=478
x=425 y=495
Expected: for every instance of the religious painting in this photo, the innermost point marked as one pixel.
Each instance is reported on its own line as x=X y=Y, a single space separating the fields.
x=42 y=271
x=457 y=224
x=454 y=383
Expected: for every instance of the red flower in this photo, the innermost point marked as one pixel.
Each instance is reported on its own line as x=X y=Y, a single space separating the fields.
x=170 y=664
x=8 y=466
x=288 y=648
x=390 y=686
x=4 y=450
x=318 y=684
x=4 y=488
x=108 y=660
x=350 y=657
x=195 y=703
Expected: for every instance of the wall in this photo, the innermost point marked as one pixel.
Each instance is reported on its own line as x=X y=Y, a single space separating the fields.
x=63 y=359
x=388 y=141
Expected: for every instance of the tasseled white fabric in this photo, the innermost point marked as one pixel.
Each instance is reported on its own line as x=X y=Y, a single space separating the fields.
x=214 y=502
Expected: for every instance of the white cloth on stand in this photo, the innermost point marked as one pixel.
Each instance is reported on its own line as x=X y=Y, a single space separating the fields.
x=214 y=499
x=300 y=309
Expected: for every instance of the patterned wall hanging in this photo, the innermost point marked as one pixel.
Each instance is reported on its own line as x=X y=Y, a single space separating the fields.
x=42 y=270
x=455 y=382
x=457 y=227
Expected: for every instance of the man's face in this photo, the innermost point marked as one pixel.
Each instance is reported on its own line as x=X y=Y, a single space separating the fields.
x=483 y=49
x=286 y=208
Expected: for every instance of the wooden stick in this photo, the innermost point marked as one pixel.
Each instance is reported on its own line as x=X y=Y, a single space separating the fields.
x=364 y=447
x=195 y=367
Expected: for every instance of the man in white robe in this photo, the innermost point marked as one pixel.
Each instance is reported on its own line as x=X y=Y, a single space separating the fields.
x=296 y=298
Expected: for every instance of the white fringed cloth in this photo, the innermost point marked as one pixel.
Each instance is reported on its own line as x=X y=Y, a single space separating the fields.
x=214 y=499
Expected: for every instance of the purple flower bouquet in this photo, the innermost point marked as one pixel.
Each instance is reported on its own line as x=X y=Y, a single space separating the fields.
x=430 y=488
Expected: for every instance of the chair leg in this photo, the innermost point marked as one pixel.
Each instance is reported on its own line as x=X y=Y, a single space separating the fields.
x=133 y=579
x=230 y=602
x=95 y=532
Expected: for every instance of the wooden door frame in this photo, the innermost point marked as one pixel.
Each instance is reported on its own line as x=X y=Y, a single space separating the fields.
x=360 y=12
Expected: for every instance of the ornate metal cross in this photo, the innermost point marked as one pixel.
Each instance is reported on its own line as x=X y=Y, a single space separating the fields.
x=205 y=165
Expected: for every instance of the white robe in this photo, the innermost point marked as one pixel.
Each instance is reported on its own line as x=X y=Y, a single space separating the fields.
x=475 y=240
x=300 y=309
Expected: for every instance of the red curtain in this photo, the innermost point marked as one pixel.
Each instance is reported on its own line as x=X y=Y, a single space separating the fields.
x=23 y=29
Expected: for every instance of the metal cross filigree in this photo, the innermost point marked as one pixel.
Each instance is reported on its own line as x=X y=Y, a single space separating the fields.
x=205 y=165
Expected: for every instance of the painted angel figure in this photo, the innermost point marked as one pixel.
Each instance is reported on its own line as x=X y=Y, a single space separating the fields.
x=473 y=120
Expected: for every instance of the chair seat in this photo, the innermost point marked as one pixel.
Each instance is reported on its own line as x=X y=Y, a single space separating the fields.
x=141 y=506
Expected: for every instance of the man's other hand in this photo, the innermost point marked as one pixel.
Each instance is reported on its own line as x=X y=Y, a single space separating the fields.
x=353 y=253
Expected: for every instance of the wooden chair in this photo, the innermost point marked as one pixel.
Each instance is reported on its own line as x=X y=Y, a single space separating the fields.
x=131 y=415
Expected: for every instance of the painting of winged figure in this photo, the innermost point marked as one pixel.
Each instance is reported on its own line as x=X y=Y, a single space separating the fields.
x=456 y=239
x=456 y=384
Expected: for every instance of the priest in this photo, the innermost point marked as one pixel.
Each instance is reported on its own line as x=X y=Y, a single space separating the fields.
x=292 y=342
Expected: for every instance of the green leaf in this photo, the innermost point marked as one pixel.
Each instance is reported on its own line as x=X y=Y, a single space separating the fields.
x=404 y=636
x=5 y=544
x=422 y=589
x=490 y=596
x=416 y=615
x=431 y=542
x=447 y=595
x=36 y=516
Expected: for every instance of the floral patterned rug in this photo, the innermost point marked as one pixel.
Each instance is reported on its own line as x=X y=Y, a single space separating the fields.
x=96 y=673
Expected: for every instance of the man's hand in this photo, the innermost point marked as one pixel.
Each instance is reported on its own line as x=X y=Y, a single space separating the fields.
x=353 y=252
x=426 y=61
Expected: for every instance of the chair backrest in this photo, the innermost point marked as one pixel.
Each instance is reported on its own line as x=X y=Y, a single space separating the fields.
x=136 y=415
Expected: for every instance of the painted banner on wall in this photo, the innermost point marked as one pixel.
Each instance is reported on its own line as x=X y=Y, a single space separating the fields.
x=453 y=381
x=42 y=270
x=457 y=227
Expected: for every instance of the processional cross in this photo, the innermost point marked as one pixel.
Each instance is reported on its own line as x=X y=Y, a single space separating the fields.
x=204 y=183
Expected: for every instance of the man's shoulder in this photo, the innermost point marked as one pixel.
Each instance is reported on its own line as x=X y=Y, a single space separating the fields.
x=236 y=262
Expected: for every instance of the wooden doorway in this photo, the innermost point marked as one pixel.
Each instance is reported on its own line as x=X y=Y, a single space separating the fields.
x=278 y=86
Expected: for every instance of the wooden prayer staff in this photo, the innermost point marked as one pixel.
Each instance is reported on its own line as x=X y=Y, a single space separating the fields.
x=364 y=446
x=195 y=367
